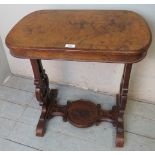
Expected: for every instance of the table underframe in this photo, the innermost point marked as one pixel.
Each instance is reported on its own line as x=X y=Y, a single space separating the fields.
x=80 y=113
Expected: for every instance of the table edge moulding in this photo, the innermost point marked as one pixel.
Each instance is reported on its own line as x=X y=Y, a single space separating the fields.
x=108 y=36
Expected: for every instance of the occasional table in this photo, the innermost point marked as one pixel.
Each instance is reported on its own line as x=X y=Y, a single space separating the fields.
x=108 y=36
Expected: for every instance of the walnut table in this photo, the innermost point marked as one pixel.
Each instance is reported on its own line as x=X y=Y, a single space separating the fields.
x=111 y=36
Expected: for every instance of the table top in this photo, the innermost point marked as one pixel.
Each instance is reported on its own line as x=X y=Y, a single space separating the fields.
x=81 y=35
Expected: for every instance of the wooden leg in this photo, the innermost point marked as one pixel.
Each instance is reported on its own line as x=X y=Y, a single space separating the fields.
x=121 y=105
x=40 y=80
x=43 y=94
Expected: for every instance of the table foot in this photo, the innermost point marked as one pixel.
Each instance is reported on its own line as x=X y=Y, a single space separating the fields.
x=40 y=130
x=119 y=139
x=45 y=114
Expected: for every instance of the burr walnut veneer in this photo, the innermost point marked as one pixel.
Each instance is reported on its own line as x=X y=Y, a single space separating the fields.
x=115 y=36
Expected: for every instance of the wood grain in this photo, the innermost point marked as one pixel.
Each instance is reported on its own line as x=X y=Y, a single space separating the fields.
x=103 y=35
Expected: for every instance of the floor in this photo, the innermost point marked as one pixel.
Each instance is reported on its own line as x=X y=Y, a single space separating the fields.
x=19 y=113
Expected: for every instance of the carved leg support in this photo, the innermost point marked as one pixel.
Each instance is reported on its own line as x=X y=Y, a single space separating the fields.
x=43 y=94
x=121 y=105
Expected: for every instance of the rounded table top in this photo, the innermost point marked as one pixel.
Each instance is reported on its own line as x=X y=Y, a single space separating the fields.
x=81 y=35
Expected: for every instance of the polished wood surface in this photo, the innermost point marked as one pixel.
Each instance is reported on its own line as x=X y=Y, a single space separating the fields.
x=103 y=35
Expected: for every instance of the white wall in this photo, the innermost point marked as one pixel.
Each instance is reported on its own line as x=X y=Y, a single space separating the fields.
x=96 y=76
x=4 y=66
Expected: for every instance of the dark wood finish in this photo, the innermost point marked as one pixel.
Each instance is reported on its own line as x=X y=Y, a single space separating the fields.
x=102 y=36
x=121 y=104
x=41 y=81
x=42 y=92
x=82 y=113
